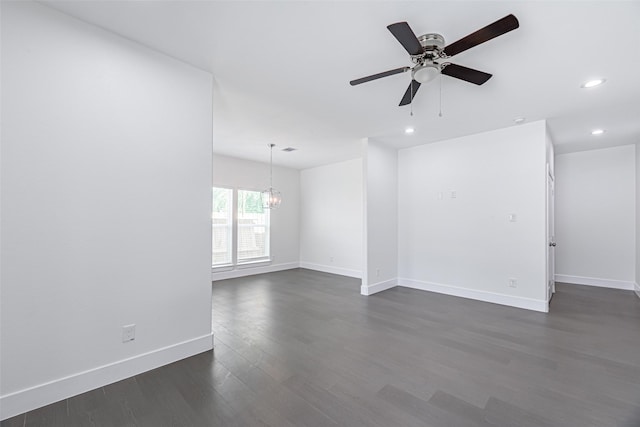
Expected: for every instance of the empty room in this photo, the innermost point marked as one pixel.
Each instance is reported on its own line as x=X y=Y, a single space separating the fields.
x=320 y=213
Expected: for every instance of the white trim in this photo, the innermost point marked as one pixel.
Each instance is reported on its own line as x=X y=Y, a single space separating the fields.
x=378 y=287
x=221 y=267
x=637 y=289
x=593 y=281
x=330 y=269
x=25 y=400
x=247 y=270
x=510 y=300
x=253 y=263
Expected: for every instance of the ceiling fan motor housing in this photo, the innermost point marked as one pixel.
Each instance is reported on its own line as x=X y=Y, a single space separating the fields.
x=432 y=45
x=431 y=40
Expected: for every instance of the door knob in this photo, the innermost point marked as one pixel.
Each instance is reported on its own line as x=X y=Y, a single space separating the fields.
x=553 y=244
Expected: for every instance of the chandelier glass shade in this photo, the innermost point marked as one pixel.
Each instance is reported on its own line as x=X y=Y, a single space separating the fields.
x=271 y=198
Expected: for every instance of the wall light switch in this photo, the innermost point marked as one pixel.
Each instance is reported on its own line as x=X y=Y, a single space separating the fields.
x=512 y=217
x=454 y=194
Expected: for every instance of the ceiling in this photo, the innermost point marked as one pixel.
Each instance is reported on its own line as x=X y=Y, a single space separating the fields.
x=282 y=70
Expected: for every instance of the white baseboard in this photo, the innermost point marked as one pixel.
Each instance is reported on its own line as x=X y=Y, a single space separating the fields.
x=331 y=269
x=243 y=271
x=510 y=300
x=593 y=281
x=25 y=400
x=378 y=287
x=637 y=289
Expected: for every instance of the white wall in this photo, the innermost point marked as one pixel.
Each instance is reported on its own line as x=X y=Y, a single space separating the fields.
x=466 y=245
x=231 y=172
x=106 y=194
x=381 y=218
x=331 y=218
x=595 y=217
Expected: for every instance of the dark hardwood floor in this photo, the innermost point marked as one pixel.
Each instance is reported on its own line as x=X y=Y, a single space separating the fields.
x=303 y=348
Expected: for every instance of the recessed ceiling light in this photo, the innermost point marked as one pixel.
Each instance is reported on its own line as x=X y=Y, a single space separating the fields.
x=592 y=83
x=409 y=131
x=289 y=149
x=597 y=132
x=519 y=120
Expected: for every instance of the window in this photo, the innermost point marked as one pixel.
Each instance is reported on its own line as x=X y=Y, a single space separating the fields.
x=241 y=229
x=222 y=225
x=253 y=227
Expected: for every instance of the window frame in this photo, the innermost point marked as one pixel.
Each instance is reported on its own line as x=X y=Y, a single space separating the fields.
x=267 y=226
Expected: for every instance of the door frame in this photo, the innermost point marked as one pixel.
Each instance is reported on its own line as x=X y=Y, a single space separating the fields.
x=550 y=288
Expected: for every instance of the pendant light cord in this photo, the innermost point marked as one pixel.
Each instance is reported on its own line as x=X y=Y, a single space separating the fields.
x=271 y=168
x=271 y=198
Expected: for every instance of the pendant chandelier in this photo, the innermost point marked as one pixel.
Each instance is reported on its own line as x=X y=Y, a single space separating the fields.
x=271 y=198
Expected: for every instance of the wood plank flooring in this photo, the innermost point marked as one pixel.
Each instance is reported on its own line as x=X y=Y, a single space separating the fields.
x=303 y=348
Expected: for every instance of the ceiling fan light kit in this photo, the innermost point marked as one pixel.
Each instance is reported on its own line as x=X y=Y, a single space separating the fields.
x=425 y=73
x=428 y=52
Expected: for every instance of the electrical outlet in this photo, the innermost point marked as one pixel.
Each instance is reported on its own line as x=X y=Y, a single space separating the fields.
x=330 y=259
x=377 y=272
x=128 y=333
x=454 y=194
x=513 y=283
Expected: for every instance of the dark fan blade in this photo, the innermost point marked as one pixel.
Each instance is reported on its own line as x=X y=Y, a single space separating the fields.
x=405 y=35
x=379 y=76
x=410 y=93
x=498 y=28
x=467 y=74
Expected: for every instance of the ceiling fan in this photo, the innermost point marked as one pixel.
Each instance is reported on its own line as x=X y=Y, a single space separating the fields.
x=428 y=51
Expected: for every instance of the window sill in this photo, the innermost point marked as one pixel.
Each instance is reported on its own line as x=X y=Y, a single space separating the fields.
x=221 y=267
x=240 y=266
x=251 y=264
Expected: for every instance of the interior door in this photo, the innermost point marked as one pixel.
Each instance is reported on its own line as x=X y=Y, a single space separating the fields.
x=551 y=237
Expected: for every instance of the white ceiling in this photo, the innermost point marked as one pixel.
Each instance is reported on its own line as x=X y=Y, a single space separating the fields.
x=282 y=70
